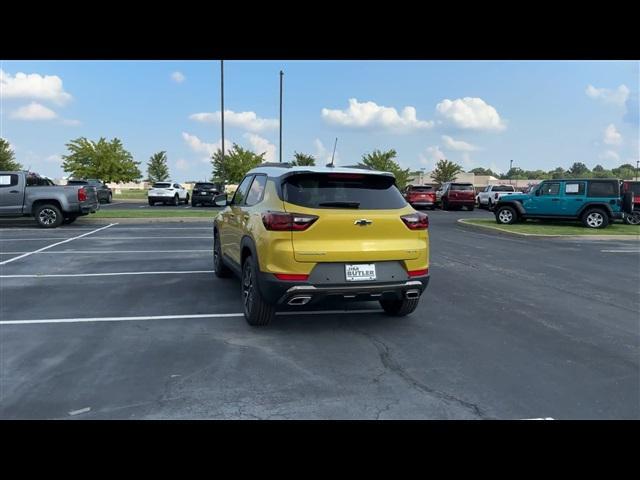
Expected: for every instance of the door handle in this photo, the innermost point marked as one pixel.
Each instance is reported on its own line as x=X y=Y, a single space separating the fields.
x=14 y=191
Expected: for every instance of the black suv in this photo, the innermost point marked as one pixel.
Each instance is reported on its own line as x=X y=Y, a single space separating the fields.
x=203 y=193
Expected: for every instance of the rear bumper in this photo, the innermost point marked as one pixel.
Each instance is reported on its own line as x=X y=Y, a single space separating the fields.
x=456 y=201
x=422 y=203
x=203 y=198
x=90 y=208
x=156 y=198
x=281 y=292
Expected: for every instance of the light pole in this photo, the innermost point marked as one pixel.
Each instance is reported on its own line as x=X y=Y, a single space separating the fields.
x=637 y=167
x=510 y=167
x=281 y=75
x=222 y=103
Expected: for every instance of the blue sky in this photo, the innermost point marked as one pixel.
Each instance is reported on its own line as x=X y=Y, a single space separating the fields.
x=477 y=113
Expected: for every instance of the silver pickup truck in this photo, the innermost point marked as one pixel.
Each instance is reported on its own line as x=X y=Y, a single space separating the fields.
x=492 y=193
x=25 y=194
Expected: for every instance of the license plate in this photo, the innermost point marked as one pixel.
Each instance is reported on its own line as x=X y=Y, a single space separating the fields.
x=361 y=272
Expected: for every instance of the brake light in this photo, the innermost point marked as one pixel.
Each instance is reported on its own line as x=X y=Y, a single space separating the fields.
x=82 y=194
x=416 y=221
x=292 y=277
x=287 y=222
x=418 y=273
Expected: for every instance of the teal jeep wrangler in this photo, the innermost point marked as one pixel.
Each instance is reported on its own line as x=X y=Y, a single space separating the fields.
x=594 y=202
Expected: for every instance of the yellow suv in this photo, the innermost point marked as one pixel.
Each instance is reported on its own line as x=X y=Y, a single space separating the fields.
x=298 y=235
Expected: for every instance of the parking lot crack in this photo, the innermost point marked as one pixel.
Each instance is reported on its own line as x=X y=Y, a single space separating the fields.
x=390 y=364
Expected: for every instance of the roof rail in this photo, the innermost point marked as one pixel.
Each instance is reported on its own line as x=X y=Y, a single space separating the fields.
x=276 y=164
x=360 y=166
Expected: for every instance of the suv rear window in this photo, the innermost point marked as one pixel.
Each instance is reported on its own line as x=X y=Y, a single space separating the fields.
x=461 y=186
x=634 y=187
x=420 y=189
x=603 y=189
x=204 y=185
x=77 y=182
x=503 y=188
x=343 y=190
x=161 y=185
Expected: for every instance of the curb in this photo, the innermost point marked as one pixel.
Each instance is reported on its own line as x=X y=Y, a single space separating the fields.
x=145 y=220
x=635 y=238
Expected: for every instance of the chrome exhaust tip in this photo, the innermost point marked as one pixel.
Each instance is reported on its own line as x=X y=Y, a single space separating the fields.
x=412 y=294
x=299 y=300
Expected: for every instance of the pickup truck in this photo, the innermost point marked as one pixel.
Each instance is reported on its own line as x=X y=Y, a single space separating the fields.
x=634 y=188
x=594 y=202
x=492 y=193
x=25 y=194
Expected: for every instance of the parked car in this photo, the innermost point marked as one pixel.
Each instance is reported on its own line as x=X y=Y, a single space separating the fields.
x=634 y=188
x=168 y=193
x=490 y=195
x=456 y=195
x=24 y=194
x=105 y=195
x=595 y=202
x=203 y=194
x=297 y=235
x=420 y=196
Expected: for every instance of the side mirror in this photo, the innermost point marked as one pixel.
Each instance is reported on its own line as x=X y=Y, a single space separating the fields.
x=537 y=192
x=220 y=200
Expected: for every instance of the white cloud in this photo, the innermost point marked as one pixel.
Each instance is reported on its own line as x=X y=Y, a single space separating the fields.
x=470 y=113
x=612 y=136
x=457 y=145
x=182 y=164
x=369 y=115
x=260 y=145
x=610 y=155
x=245 y=120
x=33 y=85
x=55 y=158
x=431 y=156
x=34 y=111
x=178 y=77
x=614 y=97
x=323 y=155
x=72 y=123
x=209 y=149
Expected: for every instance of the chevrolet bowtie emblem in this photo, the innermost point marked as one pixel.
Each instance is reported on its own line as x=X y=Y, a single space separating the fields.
x=363 y=222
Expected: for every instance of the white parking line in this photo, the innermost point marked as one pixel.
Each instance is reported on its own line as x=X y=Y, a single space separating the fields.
x=111 y=274
x=620 y=251
x=55 y=244
x=164 y=317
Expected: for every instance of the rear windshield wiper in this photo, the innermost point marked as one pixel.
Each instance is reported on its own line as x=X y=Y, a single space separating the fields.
x=340 y=204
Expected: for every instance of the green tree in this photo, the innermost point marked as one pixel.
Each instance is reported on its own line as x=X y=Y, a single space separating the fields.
x=107 y=161
x=514 y=173
x=483 y=171
x=237 y=162
x=579 y=169
x=385 y=162
x=625 y=171
x=557 y=173
x=157 y=168
x=7 y=157
x=600 y=172
x=445 y=171
x=303 y=160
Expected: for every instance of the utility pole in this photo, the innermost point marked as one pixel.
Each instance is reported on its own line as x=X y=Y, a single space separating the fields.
x=637 y=167
x=222 y=103
x=510 y=167
x=281 y=75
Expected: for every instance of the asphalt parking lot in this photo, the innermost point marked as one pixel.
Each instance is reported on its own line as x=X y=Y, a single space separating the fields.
x=128 y=321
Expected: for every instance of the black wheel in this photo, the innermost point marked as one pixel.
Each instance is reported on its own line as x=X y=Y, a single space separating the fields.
x=506 y=215
x=633 y=219
x=186 y=201
x=176 y=201
x=221 y=270
x=48 y=216
x=193 y=203
x=471 y=207
x=69 y=220
x=109 y=198
x=595 y=218
x=445 y=204
x=151 y=203
x=399 y=308
x=257 y=312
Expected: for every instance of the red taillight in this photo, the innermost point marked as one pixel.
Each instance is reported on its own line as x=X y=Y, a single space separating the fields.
x=416 y=221
x=418 y=273
x=292 y=277
x=287 y=222
x=82 y=194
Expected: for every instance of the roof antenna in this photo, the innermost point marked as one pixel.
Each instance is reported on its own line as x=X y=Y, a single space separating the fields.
x=333 y=154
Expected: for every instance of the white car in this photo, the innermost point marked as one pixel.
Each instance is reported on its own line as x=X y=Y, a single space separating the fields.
x=491 y=194
x=168 y=193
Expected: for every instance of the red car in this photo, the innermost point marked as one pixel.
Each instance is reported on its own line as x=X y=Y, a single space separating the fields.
x=454 y=195
x=629 y=186
x=420 y=196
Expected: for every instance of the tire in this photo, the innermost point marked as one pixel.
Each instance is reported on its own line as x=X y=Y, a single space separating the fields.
x=109 y=198
x=193 y=203
x=399 y=308
x=471 y=208
x=176 y=201
x=186 y=201
x=151 y=203
x=257 y=312
x=69 y=220
x=506 y=215
x=595 y=218
x=48 y=216
x=633 y=219
x=220 y=269
x=445 y=204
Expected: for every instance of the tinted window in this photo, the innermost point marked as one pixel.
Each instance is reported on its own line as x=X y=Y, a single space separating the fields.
x=255 y=192
x=550 y=189
x=420 y=189
x=461 y=186
x=77 y=182
x=574 y=188
x=161 y=185
x=204 y=185
x=503 y=188
x=634 y=187
x=175 y=185
x=241 y=192
x=603 y=189
x=343 y=190
x=37 y=181
x=8 y=180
